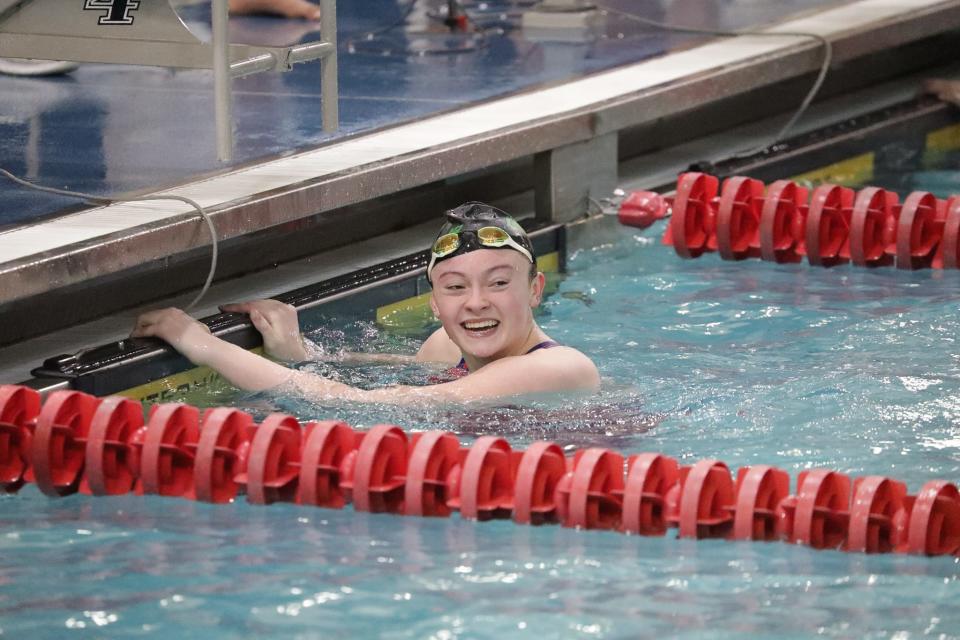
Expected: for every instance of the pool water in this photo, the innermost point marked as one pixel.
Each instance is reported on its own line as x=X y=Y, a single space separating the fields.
x=851 y=369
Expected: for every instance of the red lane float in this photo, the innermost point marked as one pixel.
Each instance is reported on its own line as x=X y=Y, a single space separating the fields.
x=778 y=224
x=328 y=452
x=540 y=470
x=692 y=228
x=948 y=253
x=111 y=464
x=738 y=218
x=818 y=516
x=826 y=237
x=166 y=450
x=642 y=208
x=590 y=495
x=876 y=503
x=873 y=225
x=649 y=477
x=919 y=230
x=103 y=447
x=379 y=476
x=19 y=408
x=785 y=203
x=221 y=454
x=760 y=490
x=58 y=446
x=706 y=501
x=433 y=474
x=273 y=463
x=486 y=481
x=934 y=522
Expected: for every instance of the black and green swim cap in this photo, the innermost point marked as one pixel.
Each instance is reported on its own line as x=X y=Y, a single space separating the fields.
x=475 y=225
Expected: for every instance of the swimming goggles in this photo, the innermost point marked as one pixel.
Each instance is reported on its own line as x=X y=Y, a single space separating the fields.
x=490 y=237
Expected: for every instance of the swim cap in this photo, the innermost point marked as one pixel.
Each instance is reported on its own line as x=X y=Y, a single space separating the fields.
x=462 y=233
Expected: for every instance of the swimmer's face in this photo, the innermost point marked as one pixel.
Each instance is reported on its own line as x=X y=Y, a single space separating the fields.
x=485 y=300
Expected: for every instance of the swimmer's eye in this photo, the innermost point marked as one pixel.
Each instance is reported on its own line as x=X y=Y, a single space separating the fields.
x=501 y=283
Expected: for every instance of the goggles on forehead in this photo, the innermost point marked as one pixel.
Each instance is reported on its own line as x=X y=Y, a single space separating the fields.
x=490 y=237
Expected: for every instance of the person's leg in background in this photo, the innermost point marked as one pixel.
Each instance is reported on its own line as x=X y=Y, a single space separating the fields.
x=285 y=8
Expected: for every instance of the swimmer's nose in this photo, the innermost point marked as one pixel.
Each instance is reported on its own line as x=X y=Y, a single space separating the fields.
x=477 y=299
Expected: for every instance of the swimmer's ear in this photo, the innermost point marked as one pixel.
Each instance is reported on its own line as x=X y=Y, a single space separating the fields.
x=434 y=308
x=536 y=289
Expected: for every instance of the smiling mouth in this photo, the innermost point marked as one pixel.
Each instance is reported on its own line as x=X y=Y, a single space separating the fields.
x=480 y=326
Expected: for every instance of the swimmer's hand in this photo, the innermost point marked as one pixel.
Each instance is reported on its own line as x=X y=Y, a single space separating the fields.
x=183 y=333
x=277 y=323
x=946 y=90
x=193 y=339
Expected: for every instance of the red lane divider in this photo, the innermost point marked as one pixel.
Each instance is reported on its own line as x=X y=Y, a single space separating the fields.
x=167 y=449
x=590 y=495
x=74 y=442
x=692 y=228
x=948 y=253
x=760 y=490
x=649 y=478
x=329 y=448
x=221 y=454
x=706 y=502
x=782 y=219
x=486 y=481
x=826 y=235
x=58 y=446
x=19 y=408
x=742 y=219
x=273 y=463
x=876 y=502
x=541 y=468
x=873 y=227
x=111 y=464
x=818 y=515
x=738 y=218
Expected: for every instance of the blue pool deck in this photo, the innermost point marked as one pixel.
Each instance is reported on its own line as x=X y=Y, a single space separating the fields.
x=113 y=129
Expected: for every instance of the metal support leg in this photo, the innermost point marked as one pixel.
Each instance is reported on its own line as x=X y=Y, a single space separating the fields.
x=223 y=99
x=329 y=91
x=566 y=177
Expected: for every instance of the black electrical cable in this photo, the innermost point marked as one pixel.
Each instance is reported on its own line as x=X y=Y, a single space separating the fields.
x=95 y=199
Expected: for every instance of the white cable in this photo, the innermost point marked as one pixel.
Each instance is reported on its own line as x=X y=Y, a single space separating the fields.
x=811 y=94
x=108 y=201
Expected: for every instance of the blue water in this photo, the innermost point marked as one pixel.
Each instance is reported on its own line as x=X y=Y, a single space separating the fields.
x=851 y=369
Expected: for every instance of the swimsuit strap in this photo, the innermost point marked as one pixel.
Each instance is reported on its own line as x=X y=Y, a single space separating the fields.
x=546 y=344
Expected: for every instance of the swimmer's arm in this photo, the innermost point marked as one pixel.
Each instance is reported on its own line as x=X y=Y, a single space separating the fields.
x=193 y=339
x=438 y=348
x=560 y=369
x=566 y=371
x=278 y=324
x=353 y=357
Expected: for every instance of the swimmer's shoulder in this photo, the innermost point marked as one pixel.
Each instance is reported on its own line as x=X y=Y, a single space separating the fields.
x=569 y=365
x=439 y=348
